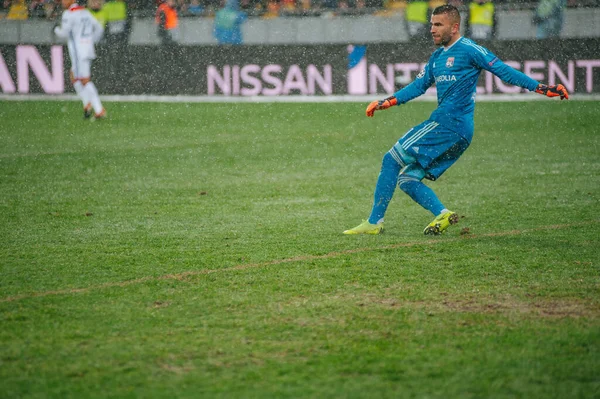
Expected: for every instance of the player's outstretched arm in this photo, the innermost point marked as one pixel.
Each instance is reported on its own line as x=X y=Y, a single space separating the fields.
x=553 y=91
x=488 y=61
x=381 y=105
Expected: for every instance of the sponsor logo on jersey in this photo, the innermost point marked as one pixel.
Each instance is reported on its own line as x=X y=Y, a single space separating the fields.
x=449 y=62
x=492 y=62
x=445 y=78
x=421 y=74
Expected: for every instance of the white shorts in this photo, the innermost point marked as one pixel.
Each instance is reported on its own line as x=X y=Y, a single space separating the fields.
x=81 y=68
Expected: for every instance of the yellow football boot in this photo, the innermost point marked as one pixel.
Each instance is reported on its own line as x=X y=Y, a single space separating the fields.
x=441 y=223
x=366 y=228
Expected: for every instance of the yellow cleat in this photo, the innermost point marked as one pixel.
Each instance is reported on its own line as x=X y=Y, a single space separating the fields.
x=441 y=223
x=366 y=228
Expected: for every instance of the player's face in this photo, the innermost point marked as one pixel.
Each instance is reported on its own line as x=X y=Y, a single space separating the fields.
x=66 y=3
x=442 y=29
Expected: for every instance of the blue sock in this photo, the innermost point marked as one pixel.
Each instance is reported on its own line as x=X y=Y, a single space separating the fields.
x=386 y=185
x=422 y=195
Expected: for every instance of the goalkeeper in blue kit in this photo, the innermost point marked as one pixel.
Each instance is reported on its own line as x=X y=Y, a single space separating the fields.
x=427 y=150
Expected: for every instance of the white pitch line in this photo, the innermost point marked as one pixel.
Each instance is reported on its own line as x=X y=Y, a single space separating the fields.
x=299 y=258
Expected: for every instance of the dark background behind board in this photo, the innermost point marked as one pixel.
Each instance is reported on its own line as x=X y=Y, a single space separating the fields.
x=182 y=70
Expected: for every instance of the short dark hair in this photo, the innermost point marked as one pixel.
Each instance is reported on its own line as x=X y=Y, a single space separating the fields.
x=450 y=10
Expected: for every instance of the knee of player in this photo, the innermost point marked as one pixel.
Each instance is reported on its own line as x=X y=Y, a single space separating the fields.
x=397 y=158
x=409 y=175
x=83 y=81
x=405 y=182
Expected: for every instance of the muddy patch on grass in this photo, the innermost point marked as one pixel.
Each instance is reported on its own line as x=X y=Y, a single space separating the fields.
x=541 y=307
x=485 y=304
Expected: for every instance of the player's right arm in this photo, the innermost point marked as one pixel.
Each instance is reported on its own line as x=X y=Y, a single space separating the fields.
x=416 y=88
x=64 y=28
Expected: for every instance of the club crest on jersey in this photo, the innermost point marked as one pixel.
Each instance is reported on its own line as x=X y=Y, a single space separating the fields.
x=450 y=62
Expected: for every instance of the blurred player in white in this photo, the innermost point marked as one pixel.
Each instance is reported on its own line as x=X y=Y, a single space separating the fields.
x=82 y=30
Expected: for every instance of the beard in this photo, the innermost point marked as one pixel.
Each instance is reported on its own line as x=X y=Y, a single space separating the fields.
x=443 y=39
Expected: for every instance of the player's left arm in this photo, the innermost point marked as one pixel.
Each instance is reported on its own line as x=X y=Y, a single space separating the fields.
x=97 y=29
x=485 y=59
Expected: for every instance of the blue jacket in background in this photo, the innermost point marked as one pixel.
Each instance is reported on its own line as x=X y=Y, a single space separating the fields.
x=228 y=21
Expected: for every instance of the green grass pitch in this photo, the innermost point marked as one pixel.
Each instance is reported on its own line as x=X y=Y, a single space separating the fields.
x=195 y=250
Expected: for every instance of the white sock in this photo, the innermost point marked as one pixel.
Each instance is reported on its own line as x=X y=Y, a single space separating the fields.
x=92 y=93
x=81 y=92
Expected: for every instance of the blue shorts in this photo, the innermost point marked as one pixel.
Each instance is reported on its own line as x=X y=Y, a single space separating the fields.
x=434 y=147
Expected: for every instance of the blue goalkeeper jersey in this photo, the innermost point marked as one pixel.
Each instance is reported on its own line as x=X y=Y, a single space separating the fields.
x=455 y=71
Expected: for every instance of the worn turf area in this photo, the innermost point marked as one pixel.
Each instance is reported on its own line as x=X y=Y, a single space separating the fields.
x=195 y=250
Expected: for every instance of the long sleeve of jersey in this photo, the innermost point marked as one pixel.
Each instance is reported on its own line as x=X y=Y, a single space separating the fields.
x=64 y=29
x=417 y=87
x=488 y=61
x=98 y=30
